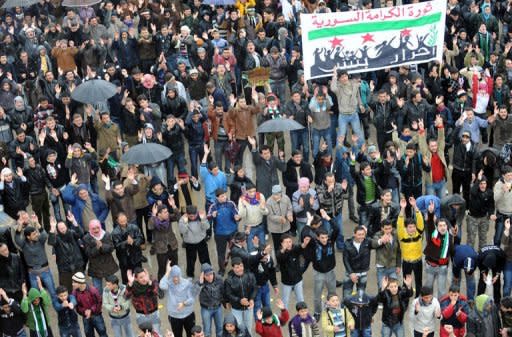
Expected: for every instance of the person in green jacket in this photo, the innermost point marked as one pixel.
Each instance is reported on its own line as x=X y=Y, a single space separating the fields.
x=35 y=305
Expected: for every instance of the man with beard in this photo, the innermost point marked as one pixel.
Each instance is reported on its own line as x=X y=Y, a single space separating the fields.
x=66 y=247
x=13 y=192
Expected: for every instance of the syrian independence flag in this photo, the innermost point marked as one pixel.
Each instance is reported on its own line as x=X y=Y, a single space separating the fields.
x=367 y=40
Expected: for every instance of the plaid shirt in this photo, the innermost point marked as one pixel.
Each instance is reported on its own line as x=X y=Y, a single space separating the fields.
x=144 y=302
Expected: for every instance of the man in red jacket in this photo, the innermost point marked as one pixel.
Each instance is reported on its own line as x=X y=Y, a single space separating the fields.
x=88 y=306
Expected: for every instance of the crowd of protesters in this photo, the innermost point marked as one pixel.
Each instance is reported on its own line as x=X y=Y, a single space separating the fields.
x=421 y=154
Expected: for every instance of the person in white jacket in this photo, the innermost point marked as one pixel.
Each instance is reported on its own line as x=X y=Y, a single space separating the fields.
x=424 y=313
x=252 y=208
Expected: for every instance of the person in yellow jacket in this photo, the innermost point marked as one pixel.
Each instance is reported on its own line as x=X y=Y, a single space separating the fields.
x=410 y=236
x=336 y=320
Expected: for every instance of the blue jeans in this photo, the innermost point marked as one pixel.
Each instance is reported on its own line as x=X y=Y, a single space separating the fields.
x=153 y=318
x=122 y=324
x=262 y=298
x=56 y=201
x=195 y=153
x=353 y=119
x=286 y=290
x=383 y=271
x=220 y=149
x=470 y=281
x=47 y=280
x=244 y=318
x=507 y=275
x=500 y=226
x=301 y=138
x=300 y=226
x=340 y=240
x=326 y=135
x=397 y=329
x=94 y=323
x=207 y=315
x=438 y=189
x=176 y=158
x=258 y=231
x=70 y=331
x=365 y=332
x=98 y=284
x=332 y=128
x=439 y=272
x=278 y=88
x=327 y=226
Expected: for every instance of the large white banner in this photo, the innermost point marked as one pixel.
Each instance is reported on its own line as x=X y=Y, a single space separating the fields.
x=367 y=40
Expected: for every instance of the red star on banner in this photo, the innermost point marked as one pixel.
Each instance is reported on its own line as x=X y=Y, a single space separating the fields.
x=367 y=38
x=405 y=32
x=335 y=42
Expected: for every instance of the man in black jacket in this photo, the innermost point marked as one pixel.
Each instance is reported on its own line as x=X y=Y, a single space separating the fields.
x=321 y=251
x=385 y=209
x=13 y=191
x=291 y=272
x=66 y=248
x=356 y=259
x=172 y=137
x=481 y=211
x=13 y=273
x=240 y=290
x=463 y=155
x=38 y=182
x=385 y=110
x=210 y=299
x=296 y=167
x=127 y=239
x=297 y=109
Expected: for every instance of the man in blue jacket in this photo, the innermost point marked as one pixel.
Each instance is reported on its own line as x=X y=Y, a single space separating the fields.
x=225 y=216
x=85 y=204
x=465 y=258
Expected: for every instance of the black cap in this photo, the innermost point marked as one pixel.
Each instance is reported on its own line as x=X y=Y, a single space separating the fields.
x=219 y=191
x=236 y=261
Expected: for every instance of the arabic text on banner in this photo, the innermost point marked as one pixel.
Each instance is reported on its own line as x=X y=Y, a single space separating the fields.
x=367 y=40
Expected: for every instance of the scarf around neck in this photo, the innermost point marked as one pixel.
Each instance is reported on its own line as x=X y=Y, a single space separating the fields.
x=438 y=239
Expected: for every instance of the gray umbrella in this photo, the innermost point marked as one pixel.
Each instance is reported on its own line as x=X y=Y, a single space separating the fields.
x=19 y=3
x=278 y=125
x=79 y=3
x=145 y=154
x=94 y=91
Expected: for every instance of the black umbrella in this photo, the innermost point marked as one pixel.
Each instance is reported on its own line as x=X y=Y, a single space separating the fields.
x=19 y=3
x=79 y=3
x=94 y=91
x=278 y=125
x=145 y=154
